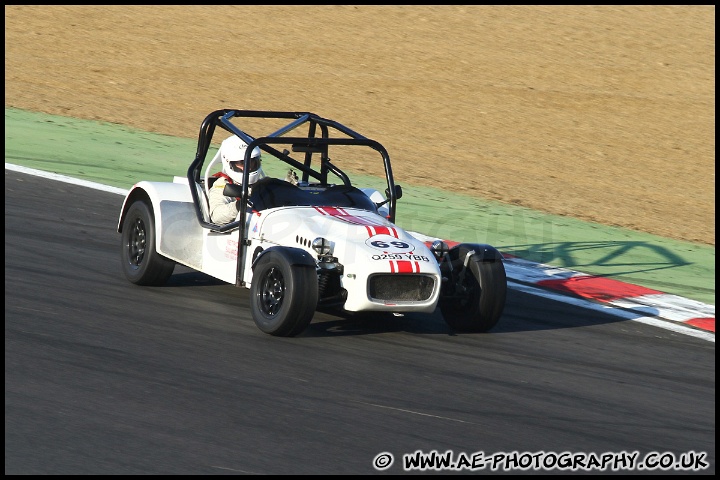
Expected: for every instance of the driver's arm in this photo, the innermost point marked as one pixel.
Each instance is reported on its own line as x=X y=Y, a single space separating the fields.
x=222 y=209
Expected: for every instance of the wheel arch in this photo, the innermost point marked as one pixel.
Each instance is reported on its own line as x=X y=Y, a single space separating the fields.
x=295 y=256
x=153 y=193
x=136 y=193
x=483 y=252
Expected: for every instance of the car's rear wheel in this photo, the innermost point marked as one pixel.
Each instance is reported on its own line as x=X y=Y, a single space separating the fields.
x=478 y=298
x=141 y=262
x=283 y=296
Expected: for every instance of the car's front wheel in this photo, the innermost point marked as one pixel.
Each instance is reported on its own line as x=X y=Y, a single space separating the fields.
x=141 y=263
x=475 y=302
x=283 y=295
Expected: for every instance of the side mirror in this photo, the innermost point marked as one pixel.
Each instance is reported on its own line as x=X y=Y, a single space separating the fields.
x=398 y=192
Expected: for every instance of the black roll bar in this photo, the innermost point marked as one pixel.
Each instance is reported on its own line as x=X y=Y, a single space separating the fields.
x=309 y=144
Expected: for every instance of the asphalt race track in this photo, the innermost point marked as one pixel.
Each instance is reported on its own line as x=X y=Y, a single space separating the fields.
x=104 y=377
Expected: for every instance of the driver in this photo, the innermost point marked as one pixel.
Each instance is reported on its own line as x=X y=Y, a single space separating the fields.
x=232 y=153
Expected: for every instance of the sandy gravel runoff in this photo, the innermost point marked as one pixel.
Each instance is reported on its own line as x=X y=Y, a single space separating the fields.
x=604 y=113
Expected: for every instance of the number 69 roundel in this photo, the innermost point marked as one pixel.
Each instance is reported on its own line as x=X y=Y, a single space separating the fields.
x=389 y=244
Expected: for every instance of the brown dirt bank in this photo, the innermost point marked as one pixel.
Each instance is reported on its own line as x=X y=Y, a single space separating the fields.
x=604 y=113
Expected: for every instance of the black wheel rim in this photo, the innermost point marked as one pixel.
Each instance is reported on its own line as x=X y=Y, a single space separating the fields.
x=272 y=292
x=136 y=243
x=470 y=291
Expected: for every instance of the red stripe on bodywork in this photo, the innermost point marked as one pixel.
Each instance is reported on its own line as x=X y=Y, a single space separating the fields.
x=371 y=227
x=703 y=323
x=403 y=266
x=597 y=288
x=357 y=220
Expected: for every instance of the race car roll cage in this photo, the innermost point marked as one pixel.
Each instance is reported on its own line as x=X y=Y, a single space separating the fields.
x=309 y=145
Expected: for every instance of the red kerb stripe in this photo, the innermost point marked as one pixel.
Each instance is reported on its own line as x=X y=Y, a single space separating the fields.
x=597 y=288
x=704 y=323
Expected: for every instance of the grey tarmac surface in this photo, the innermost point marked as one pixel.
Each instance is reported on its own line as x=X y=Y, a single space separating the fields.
x=104 y=377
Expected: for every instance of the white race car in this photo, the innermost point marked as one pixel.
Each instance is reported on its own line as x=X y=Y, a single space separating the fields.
x=312 y=241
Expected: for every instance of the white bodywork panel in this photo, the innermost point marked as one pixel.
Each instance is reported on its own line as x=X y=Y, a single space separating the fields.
x=364 y=242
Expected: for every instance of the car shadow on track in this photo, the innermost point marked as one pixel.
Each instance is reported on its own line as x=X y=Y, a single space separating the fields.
x=523 y=313
x=185 y=277
x=330 y=324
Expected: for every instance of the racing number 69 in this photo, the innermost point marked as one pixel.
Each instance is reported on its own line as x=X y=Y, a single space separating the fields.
x=381 y=244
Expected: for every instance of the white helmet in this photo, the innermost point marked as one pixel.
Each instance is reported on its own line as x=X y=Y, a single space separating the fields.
x=232 y=150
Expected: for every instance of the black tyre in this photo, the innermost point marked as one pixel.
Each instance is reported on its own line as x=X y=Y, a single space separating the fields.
x=476 y=303
x=283 y=296
x=141 y=263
